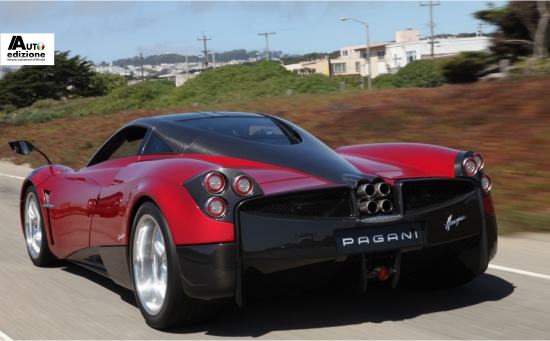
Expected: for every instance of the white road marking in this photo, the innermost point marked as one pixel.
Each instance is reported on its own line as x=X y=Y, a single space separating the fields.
x=516 y=271
x=4 y=337
x=12 y=176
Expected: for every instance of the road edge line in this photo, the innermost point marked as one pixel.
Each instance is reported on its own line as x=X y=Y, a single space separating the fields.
x=12 y=176
x=5 y=337
x=521 y=272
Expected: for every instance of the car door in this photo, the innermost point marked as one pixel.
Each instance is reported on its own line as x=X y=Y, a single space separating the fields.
x=108 y=226
x=71 y=198
x=74 y=195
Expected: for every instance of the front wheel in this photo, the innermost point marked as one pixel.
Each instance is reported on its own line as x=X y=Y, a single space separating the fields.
x=35 y=233
x=156 y=274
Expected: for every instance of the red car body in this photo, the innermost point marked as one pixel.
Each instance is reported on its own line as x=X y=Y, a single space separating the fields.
x=88 y=214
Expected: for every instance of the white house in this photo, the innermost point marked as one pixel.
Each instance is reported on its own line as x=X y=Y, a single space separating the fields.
x=352 y=59
x=400 y=54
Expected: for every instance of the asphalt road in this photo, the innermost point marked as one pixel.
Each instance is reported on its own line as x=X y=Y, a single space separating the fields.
x=510 y=301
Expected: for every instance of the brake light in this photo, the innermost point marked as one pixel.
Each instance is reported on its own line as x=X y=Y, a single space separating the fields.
x=486 y=183
x=214 y=182
x=242 y=185
x=470 y=166
x=215 y=207
x=479 y=161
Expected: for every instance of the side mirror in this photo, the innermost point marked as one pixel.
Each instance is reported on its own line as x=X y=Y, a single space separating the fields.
x=21 y=147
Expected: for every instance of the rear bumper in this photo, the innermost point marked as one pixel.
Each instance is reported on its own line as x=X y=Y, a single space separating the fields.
x=290 y=254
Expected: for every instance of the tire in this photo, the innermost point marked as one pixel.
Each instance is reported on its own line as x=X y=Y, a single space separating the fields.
x=34 y=231
x=153 y=259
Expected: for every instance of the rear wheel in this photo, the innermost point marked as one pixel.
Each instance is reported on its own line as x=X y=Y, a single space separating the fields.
x=156 y=274
x=35 y=232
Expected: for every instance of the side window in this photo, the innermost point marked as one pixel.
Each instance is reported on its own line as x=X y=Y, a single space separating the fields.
x=129 y=146
x=125 y=143
x=156 y=146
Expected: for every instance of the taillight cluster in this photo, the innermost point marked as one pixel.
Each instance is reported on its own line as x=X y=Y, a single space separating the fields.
x=215 y=183
x=474 y=164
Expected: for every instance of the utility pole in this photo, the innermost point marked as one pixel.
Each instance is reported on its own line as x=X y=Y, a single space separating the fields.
x=214 y=59
x=204 y=39
x=480 y=29
x=431 y=5
x=141 y=58
x=266 y=34
x=187 y=65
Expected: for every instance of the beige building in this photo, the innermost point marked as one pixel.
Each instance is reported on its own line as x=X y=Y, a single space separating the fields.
x=353 y=59
x=318 y=66
x=389 y=57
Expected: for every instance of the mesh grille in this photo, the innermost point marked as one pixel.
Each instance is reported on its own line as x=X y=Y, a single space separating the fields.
x=424 y=194
x=332 y=204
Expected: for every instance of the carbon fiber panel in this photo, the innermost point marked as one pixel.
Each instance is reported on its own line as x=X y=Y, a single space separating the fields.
x=208 y=271
x=200 y=194
x=311 y=156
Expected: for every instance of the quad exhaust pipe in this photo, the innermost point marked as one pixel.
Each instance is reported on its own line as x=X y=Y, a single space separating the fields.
x=366 y=195
x=373 y=207
x=368 y=207
x=368 y=191
x=384 y=206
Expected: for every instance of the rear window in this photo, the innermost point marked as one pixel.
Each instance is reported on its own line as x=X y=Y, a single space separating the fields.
x=255 y=129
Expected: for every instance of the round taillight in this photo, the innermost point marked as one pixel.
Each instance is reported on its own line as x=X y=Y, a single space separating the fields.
x=214 y=182
x=479 y=161
x=242 y=185
x=470 y=166
x=486 y=183
x=215 y=207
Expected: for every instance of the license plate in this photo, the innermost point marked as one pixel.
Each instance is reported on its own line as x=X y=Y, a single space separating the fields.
x=370 y=239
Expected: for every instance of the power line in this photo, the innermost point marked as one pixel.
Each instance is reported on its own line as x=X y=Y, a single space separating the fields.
x=266 y=34
x=431 y=5
x=204 y=39
x=480 y=29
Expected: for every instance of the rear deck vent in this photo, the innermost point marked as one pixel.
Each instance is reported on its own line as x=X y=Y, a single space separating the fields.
x=338 y=203
x=422 y=195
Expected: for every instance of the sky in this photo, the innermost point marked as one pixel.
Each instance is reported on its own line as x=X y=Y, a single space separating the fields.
x=110 y=30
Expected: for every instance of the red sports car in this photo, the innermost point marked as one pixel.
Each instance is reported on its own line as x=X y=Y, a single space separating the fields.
x=194 y=210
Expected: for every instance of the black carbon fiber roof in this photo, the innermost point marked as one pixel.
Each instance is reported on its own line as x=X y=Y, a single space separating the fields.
x=311 y=156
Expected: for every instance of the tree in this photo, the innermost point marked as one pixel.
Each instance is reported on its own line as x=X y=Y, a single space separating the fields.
x=464 y=67
x=522 y=28
x=67 y=77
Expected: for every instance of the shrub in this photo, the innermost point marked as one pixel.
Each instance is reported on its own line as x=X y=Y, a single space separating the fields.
x=464 y=67
x=8 y=108
x=316 y=84
x=384 y=81
x=44 y=116
x=29 y=116
x=233 y=82
x=144 y=95
x=418 y=74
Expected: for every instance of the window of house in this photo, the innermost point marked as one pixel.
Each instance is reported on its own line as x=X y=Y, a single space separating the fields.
x=411 y=56
x=338 y=67
x=381 y=54
x=365 y=55
x=357 y=66
x=345 y=53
